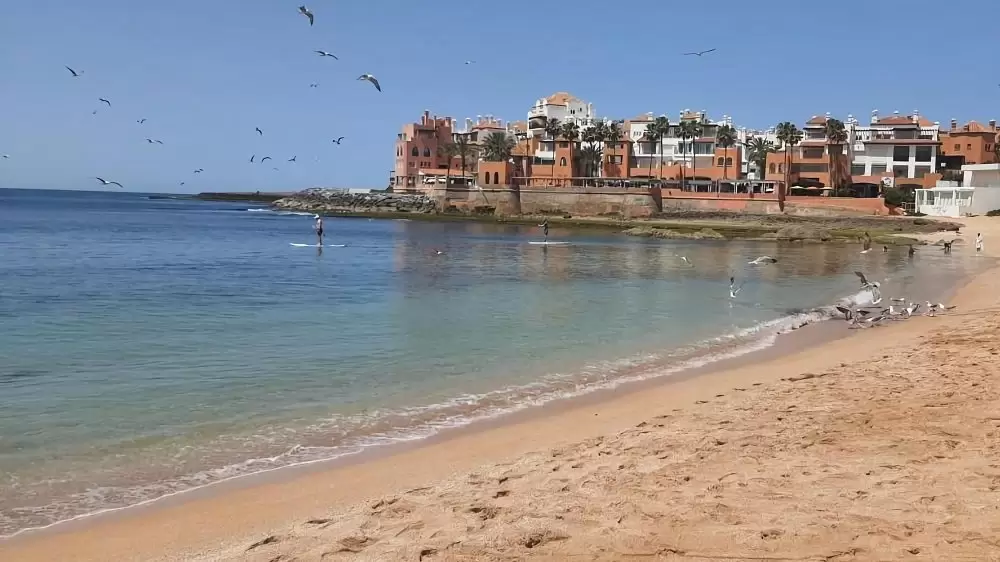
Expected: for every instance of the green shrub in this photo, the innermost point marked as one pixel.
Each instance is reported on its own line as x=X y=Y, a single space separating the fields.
x=993 y=213
x=896 y=197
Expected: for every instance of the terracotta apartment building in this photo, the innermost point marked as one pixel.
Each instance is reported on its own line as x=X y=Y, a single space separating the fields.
x=974 y=142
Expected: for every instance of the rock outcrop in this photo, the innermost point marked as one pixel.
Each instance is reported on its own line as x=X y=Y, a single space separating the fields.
x=702 y=234
x=332 y=201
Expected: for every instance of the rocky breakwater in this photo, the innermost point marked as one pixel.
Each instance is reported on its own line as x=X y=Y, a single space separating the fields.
x=335 y=201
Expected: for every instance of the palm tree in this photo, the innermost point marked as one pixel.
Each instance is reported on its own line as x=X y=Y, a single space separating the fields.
x=836 y=136
x=688 y=130
x=448 y=151
x=552 y=130
x=464 y=149
x=789 y=135
x=599 y=134
x=590 y=155
x=498 y=146
x=613 y=134
x=571 y=133
x=661 y=128
x=725 y=137
x=651 y=137
x=757 y=151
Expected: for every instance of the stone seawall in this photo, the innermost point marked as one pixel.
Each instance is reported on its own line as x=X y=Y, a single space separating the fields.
x=332 y=201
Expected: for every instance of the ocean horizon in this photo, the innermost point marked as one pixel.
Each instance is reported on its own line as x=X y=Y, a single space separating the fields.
x=157 y=345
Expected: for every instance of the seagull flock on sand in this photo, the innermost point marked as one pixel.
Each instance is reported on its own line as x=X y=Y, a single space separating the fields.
x=306 y=12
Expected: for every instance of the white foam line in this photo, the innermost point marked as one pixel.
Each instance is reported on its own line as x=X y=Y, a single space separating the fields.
x=434 y=427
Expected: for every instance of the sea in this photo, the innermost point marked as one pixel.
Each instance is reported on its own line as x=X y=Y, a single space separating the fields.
x=151 y=345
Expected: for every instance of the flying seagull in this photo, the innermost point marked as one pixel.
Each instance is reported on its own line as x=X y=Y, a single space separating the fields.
x=199 y=170
x=106 y=182
x=105 y=101
x=182 y=183
x=252 y=157
x=338 y=139
x=314 y=85
x=305 y=12
x=264 y=158
x=5 y=156
x=762 y=260
x=275 y=169
x=470 y=62
x=371 y=79
x=74 y=73
x=259 y=132
x=326 y=54
x=700 y=53
x=151 y=141
x=292 y=159
x=141 y=121
x=684 y=258
x=865 y=283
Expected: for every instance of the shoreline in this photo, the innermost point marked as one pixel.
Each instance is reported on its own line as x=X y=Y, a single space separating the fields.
x=460 y=445
x=807 y=336
x=260 y=503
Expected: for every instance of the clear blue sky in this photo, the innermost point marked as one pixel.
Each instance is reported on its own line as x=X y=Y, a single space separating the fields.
x=205 y=73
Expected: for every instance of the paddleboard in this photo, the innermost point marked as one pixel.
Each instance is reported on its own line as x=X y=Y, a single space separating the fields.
x=549 y=243
x=317 y=245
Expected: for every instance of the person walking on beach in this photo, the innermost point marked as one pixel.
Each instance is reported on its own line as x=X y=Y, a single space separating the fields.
x=979 y=242
x=318 y=227
x=867 y=242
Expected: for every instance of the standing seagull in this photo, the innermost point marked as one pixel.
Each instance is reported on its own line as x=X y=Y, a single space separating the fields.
x=326 y=54
x=700 y=53
x=371 y=79
x=106 y=182
x=305 y=12
x=259 y=132
x=105 y=101
x=74 y=73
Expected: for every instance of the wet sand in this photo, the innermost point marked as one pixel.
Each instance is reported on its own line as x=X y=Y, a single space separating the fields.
x=879 y=445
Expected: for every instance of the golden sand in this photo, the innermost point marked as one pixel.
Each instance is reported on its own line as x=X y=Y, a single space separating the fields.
x=879 y=446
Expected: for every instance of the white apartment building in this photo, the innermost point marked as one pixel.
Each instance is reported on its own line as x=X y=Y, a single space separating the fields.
x=906 y=146
x=562 y=106
x=674 y=149
x=743 y=135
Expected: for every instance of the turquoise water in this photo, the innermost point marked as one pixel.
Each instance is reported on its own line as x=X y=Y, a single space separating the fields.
x=153 y=345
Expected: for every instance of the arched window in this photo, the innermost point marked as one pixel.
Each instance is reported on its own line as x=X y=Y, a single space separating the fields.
x=721 y=161
x=486 y=177
x=496 y=177
x=771 y=168
x=427 y=152
x=729 y=161
x=415 y=151
x=562 y=161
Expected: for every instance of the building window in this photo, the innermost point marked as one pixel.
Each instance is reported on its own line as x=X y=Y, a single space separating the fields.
x=878 y=169
x=857 y=169
x=615 y=159
x=413 y=164
x=486 y=177
x=812 y=152
x=771 y=168
x=563 y=144
x=923 y=154
x=722 y=161
x=427 y=152
x=989 y=147
x=901 y=153
x=415 y=151
x=562 y=161
x=808 y=168
x=781 y=168
x=496 y=177
x=921 y=171
x=968 y=146
x=729 y=161
x=900 y=171
x=958 y=147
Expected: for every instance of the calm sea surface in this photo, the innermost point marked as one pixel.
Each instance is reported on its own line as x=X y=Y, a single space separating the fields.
x=150 y=345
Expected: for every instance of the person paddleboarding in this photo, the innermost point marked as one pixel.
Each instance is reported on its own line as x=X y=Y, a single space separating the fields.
x=318 y=227
x=545 y=229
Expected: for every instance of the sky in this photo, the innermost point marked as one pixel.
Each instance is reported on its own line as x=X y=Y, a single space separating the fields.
x=204 y=74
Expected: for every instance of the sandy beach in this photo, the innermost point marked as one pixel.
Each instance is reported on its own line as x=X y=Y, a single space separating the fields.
x=882 y=445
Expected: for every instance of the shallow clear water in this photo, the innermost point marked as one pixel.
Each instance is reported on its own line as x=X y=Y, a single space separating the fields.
x=153 y=345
